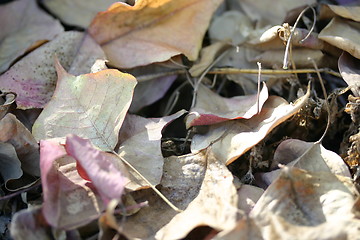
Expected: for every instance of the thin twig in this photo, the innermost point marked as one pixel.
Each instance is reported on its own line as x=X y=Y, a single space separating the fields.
x=167 y=201
x=288 y=43
x=258 y=88
x=327 y=105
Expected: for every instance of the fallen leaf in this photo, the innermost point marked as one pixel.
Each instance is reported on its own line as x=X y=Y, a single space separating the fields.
x=91 y=106
x=350 y=72
x=208 y=55
x=6 y=99
x=259 y=10
x=215 y=206
x=231 y=139
x=141 y=146
x=181 y=181
x=245 y=229
x=78 y=13
x=33 y=78
x=14 y=132
x=309 y=156
x=23 y=24
x=69 y=200
x=248 y=195
x=152 y=31
x=349 y=12
x=343 y=34
x=301 y=203
x=11 y=165
x=30 y=224
x=232 y=26
x=105 y=170
x=211 y=108
x=148 y=92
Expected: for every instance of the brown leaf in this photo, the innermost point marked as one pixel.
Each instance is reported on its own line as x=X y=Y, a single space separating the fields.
x=10 y=163
x=141 y=146
x=33 y=78
x=303 y=204
x=6 y=99
x=267 y=12
x=180 y=183
x=231 y=139
x=215 y=206
x=91 y=106
x=211 y=108
x=349 y=12
x=14 y=132
x=78 y=13
x=152 y=31
x=350 y=72
x=23 y=24
x=343 y=34
x=245 y=229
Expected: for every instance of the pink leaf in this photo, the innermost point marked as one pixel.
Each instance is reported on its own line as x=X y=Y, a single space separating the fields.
x=69 y=201
x=101 y=168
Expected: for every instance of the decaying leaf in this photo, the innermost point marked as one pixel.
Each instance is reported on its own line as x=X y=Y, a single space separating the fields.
x=69 y=200
x=180 y=183
x=349 y=12
x=105 y=170
x=23 y=26
x=14 y=132
x=141 y=146
x=350 y=72
x=260 y=10
x=217 y=190
x=152 y=31
x=231 y=139
x=33 y=78
x=6 y=99
x=248 y=195
x=91 y=106
x=304 y=204
x=11 y=165
x=211 y=108
x=245 y=229
x=30 y=224
x=208 y=55
x=343 y=34
x=78 y=13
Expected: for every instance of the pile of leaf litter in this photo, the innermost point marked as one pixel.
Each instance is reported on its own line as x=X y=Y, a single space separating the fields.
x=192 y=119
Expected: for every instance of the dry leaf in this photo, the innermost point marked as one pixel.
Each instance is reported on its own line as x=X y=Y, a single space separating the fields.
x=211 y=108
x=10 y=163
x=69 y=200
x=141 y=146
x=33 y=78
x=152 y=31
x=301 y=203
x=343 y=34
x=309 y=156
x=349 y=12
x=231 y=139
x=232 y=26
x=350 y=72
x=181 y=181
x=78 y=13
x=248 y=195
x=270 y=12
x=215 y=206
x=208 y=55
x=14 y=132
x=245 y=229
x=23 y=25
x=30 y=224
x=91 y=106
x=6 y=99
x=105 y=170
x=148 y=92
